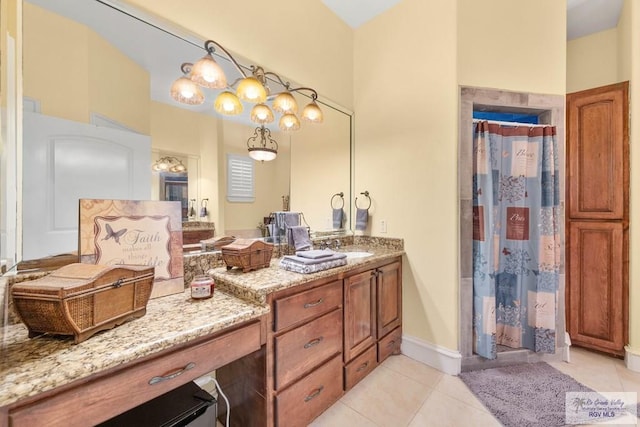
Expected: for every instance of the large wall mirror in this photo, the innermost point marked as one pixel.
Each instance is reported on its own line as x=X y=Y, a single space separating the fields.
x=103 y=70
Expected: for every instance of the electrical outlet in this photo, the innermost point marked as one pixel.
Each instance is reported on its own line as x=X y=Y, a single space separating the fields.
x=383 y=225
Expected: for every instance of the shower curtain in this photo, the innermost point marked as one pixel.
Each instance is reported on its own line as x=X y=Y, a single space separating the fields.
x=516 y=243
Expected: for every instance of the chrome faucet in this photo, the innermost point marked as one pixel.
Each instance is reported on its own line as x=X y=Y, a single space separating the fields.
x=337 y=244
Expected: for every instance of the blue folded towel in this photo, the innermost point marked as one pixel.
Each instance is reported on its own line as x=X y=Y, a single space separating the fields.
x=299 y=238
x=362 y=216
x=338 y=218
x=315 y=253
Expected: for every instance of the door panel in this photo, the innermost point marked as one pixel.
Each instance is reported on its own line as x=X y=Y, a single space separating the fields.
x=65 y=161
x=595 y=291
x=595 y=153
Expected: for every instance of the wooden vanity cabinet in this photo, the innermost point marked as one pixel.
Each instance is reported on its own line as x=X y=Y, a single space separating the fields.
x=306 y=349
x=373 y=318
x=102 y=396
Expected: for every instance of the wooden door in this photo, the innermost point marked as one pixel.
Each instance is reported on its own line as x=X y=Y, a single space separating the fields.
x=598 y=218
x=359 y=313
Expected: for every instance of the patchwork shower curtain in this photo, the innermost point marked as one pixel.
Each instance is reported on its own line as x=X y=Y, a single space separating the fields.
x=516 y=242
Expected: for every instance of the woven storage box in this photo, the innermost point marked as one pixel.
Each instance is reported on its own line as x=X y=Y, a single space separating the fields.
x=247 y=254
x=82 y=299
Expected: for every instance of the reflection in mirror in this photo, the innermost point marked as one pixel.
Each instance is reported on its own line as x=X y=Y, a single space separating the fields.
x=104 y=69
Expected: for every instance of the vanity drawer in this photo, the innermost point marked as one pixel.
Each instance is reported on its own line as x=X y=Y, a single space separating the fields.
x=390 y=344
x=360 y=367
x=307 y=305
x=95 y=400
x=306 y=399
x=302 y=349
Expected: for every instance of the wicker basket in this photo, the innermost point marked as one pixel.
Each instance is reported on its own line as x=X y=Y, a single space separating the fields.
x=82 y=299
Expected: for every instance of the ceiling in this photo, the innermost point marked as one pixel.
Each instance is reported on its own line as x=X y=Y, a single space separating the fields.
x=584 y=17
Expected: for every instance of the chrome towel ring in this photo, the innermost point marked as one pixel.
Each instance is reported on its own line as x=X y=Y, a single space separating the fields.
x=365 y=194
x=341 y=196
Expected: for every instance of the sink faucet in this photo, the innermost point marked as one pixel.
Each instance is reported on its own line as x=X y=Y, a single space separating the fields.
x=337 y=244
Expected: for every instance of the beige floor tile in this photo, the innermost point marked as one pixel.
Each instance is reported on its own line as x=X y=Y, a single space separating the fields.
x=453 y=387
x=441 y=410
x=594 y=370
x=387 y=397
x=413 y=369
x=341 y=415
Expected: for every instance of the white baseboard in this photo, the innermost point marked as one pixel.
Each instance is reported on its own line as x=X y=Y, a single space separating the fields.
x=631 y=359
x=441 y=358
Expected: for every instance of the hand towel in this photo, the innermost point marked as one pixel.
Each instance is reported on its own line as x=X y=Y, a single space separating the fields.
x=291 y=219
x=362 y=216
x=299 y=238
x=338 y=218
x=315 y=253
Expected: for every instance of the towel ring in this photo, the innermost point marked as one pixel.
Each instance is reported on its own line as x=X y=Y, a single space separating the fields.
x=341 y=195
x=366 y=194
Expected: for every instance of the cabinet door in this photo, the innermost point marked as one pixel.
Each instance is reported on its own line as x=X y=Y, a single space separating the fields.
x=359 y=313
x=595 y=286
x=389 y=292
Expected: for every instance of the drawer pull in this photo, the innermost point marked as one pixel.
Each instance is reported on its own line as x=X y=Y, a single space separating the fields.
x=363 y=366
x=314 y=304
x=156 y=380
x=313 y=342
x=391 y=343
x=315 y=394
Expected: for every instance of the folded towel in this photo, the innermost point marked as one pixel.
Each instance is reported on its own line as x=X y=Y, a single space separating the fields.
x=338 y=218
x=299 y=238
x=309 y=261
x=311 y=268
x=291 y=219
x=315 y=253
x=362 y=216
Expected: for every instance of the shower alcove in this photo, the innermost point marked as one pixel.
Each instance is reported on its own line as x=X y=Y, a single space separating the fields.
x=550 y=110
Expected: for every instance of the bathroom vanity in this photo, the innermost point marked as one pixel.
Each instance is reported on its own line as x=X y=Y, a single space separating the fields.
x=285 y=346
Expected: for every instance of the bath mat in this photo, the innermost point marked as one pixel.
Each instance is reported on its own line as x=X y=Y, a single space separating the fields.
x=531 y=394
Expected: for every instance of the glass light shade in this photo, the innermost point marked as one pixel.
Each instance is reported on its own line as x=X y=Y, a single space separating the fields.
x=227 y=103
x=186 y=91
x=289 y=122
x=262 y=154
x=261 y=114
x=285 y=103
x=207 y=73
x=251 y=90
x=312 y=113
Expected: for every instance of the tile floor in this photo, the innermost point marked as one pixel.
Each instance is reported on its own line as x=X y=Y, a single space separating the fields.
x=403 y=392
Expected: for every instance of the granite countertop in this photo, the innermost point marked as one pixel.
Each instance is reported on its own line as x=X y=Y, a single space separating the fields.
x=31 y=366
x=256 y=285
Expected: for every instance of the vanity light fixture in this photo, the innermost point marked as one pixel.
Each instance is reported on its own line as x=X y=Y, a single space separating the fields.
x=261 y=146
x=169 y=164
x=249 y=88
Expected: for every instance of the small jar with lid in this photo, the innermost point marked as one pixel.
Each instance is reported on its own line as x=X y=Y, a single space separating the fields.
x=202 y=287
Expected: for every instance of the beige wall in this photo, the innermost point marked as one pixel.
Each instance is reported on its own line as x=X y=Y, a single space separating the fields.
x=592 y=61
x=629 y=29
x=72 y=72
x=516 y=45
x=405 y=91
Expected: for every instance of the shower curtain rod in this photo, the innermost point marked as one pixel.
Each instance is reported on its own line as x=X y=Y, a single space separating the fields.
x=498 y=122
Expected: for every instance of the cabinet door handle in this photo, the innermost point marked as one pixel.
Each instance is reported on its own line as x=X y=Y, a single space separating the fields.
x=313 y=304
x=313 y=342
x=315 y=394
x=391 y=343
x=156 y=380
x=363 y=366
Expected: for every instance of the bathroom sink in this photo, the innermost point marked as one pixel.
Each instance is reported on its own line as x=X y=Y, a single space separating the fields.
x=357 y=254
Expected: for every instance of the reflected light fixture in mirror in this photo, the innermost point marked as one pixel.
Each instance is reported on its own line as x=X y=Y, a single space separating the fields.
x=250 y=88
x=261 y=146
x=169 y=164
